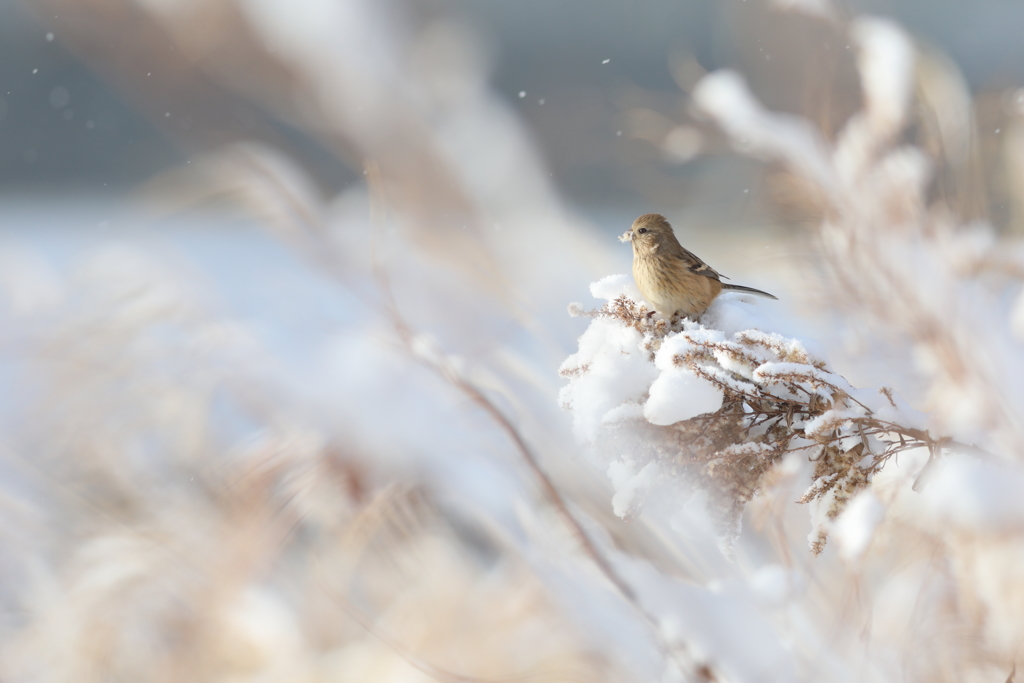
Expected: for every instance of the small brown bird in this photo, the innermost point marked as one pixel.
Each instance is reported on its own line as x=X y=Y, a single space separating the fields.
x=670 y=277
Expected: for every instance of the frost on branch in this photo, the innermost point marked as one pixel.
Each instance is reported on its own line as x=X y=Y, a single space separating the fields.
x=716 y=409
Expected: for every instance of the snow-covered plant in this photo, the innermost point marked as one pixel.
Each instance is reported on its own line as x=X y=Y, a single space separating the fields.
x=716 y=404
x=721 y=407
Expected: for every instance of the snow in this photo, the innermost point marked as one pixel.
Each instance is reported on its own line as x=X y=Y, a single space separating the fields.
x=829 y=420
x=613 y=371
x=714 y=623
x=612 y=287
x=678 y=395
x=855 y=527
x=724 y=96
x=681 y=343
x=886 y=64
x=975 y=495
x=630 y=484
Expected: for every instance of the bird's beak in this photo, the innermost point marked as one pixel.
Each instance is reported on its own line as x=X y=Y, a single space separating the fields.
x=626 y=236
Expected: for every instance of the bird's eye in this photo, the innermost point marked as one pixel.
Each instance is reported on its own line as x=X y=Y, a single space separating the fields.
x=642 y=230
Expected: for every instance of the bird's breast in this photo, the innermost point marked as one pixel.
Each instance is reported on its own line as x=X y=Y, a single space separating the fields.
x=671 y=287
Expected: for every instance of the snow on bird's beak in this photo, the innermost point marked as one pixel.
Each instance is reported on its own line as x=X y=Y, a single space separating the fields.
x=626 y=236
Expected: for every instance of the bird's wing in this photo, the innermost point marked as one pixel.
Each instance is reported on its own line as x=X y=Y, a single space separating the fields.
x=697 y=266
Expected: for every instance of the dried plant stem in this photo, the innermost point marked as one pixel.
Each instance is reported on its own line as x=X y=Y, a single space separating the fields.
x=306 y=232
x=439 y=363
x=444 y=368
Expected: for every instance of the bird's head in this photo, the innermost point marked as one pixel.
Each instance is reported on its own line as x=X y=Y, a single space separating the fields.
x=649 y=233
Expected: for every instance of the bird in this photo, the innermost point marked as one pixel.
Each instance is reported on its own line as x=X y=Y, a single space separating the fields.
x=672 y=278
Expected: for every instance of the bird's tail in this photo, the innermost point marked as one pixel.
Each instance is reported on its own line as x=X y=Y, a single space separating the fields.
x=749 y=290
